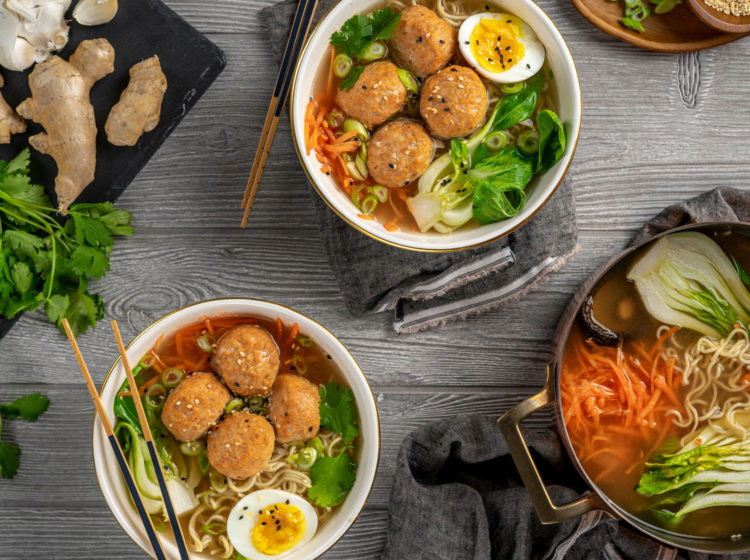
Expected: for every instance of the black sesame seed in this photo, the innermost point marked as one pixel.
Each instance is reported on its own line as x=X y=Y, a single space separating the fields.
x=246 y=421
x=287 y=502
x=276 y=507
x=262 y=522
x=528 y=66
x=286 y=414
x=489 y=60
x=466 y=171
x=328 y=173
x=183 y=478
x=278 y=527
x=278 y=522
x=244 y=508
x=499 y=37
x=442 y=42
x=419 y=39
x=391 y=166
x=487 y=7
x=453 y=69
x=477 y=40
x=507 y=48
x=447 y=109
x=429 y=98
x=309 y=429
x=260 y=511
x=443 y=100
x=467 y=42
x=510 y=60
x=292 y=367
x=510 y=21
x=329 y=356
x=236 y=384
x=242 y=516
x=364 y=87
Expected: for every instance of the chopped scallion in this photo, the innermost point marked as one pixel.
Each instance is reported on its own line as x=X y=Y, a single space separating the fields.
x=342 y=65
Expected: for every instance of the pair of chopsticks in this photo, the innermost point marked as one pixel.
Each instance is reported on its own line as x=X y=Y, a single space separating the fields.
x=297 y=37
x=121 y=460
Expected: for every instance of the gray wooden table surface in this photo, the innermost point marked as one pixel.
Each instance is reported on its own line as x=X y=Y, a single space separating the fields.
x=657 y=128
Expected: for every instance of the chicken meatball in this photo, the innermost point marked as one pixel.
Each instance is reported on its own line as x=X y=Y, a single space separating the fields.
x=399 y=152
x=423 y=42
x=377 y=95
x=294 y=408
x=241 y=445
x=194 y=406
x=454 y=102
x=247 y=359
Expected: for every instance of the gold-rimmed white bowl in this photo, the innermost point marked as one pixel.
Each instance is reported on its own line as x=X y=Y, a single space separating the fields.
x=313 y=65
x=108 y=474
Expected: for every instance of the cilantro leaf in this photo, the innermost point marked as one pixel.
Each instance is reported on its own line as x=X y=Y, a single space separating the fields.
x=90 y=262
x=91 y=230
x=24 y=244
x=351 y=78
x=84 y=310
x=28 y=408
x=359 y=31
x=332 y=478
x=338 y=411
x=9 y=460
x=118 y=222
x=20 y=163
x=22 y=277
x=56 y=307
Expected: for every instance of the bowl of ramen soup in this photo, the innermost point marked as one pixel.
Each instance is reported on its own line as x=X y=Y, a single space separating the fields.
x=265 y=426
x=436 y=125
x=651 y=390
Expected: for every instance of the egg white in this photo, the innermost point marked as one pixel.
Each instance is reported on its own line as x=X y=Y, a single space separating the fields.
x=534 y=52
x=244 y=517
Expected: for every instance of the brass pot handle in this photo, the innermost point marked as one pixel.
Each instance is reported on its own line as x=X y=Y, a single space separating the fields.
x=510 y=425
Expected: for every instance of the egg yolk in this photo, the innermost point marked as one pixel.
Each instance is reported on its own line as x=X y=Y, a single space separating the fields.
x=279 y=528
x=496 y=43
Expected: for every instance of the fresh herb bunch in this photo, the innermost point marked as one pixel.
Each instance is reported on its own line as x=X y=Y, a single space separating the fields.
x=43 y=262
x=638 y=10
x=28 y=408
x=356 y=36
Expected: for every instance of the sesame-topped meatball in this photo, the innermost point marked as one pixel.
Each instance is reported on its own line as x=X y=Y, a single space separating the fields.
x=423 y=42
x=247 y=359
x=399 y=152
x=294 y=408
x=376 y=95
x=241 y=445
x=194 y=406
x=454 y=102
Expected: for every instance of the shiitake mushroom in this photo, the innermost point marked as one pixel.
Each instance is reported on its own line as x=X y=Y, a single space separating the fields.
x=593 y=328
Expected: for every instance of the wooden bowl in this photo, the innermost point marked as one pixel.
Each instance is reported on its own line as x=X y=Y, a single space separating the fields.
x=677 y=31
x=720 y=20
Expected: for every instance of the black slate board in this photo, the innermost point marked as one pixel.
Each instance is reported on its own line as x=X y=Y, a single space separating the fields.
x=140 y=29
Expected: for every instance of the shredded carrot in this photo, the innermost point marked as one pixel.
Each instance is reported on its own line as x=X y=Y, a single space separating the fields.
x=616 y=402
x=365 y=217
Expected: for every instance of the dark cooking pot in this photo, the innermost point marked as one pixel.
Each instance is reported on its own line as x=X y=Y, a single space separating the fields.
x=550 y=395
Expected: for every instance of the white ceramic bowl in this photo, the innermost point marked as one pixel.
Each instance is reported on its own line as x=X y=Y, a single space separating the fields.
x=105 y=464
x=312 y=64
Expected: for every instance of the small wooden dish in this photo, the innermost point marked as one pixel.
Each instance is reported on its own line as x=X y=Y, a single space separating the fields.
x=677 y=31
x=720 y=20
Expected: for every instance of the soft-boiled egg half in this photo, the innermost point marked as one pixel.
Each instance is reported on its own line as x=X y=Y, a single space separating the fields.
x=501 y=47
x=268 y=524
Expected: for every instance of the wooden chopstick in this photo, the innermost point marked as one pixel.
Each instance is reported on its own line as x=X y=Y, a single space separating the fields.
x=121 y=460
x=297 y=37
x=158 y=468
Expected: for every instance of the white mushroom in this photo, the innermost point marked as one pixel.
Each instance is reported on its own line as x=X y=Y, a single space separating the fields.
x=95 y=12
x=30 y=30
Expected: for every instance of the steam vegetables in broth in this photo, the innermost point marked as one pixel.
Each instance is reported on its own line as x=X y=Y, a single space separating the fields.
x=256 y=435
x=658 y=411
x=435 y=117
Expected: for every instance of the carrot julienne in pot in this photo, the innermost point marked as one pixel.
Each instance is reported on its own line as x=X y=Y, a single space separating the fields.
x=616 y=402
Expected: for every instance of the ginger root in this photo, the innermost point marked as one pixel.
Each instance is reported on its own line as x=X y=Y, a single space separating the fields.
x=10 y=122
x=139 y=108
x=60 y=103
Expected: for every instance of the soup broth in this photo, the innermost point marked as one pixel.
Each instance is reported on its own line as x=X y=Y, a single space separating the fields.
x=616 y=456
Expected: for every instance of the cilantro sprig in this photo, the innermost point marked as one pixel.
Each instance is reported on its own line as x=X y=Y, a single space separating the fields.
x=358 y=33
x=28 y=408
x=332 y=478
x=338 y=411
x=43 y=262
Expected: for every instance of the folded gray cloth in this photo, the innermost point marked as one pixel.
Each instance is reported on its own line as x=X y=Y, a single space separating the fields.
x=428 y=289
x=457 y=494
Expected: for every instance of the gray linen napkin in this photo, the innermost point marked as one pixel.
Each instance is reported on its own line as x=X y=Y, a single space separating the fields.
x=425 y=290
x=457 y=494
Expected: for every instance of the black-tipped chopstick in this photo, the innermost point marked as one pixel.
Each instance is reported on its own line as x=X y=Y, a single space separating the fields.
x=297 y=37
x=121 y=460
x=158 y=468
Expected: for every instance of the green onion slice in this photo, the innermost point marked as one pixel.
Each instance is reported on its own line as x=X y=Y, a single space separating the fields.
x=191 y=448
x=358 y=127
x=147 y=361
x=379 y=191
x=369 y=204
x=512 y=88
x=298 y=361
x=342 y=65
x=528 y=141
x=233 y=405
x=206 y=342
x=497 y=140
x=305 y=341
x=408 y=79
x=374 y=51
x=361 y=166
x=256 y=404
x=172 y=377
x=214 y=529
x=336 y=118
x=218 y=481
x=156 y=394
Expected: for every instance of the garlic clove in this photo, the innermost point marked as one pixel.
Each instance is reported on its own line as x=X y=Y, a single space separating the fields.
x=95 y=12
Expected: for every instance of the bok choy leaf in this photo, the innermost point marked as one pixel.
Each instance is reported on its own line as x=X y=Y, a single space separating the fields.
x=686 y=279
